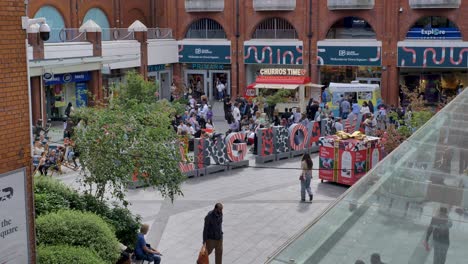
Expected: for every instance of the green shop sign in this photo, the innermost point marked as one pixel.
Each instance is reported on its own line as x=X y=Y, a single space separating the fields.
x=349 y=56
x=156 y=68
x=433 y=57
x=205 y=54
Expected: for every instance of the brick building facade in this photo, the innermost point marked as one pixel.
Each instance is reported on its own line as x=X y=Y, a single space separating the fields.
x=312 y=21
x=14 y=120
x=120 y=13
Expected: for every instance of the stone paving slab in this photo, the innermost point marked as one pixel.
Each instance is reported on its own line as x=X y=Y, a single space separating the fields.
x=262 y=211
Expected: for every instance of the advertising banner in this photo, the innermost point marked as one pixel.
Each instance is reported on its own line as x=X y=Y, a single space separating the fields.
x=433 y=57
x=81 y=91
x=279 y=55
x=13 y=218
x=220 y=54
x=360 y=164
x=326 y=162
x=349 y=55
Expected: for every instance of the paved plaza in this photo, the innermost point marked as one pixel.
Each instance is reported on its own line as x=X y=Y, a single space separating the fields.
x=261 y=211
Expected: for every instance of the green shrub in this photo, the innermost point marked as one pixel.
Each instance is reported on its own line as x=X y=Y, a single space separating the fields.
x=51 y=196
x=51 y=202
x=80 y=229
x=66 y=254
x=125 y=224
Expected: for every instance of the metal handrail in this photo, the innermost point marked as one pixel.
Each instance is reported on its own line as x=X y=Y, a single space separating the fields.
x=159 y=33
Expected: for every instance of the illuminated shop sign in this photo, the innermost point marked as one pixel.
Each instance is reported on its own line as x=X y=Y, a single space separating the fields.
x=281 y=71
x=66 y=78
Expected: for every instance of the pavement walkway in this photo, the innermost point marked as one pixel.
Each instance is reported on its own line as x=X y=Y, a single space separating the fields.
x=261 y=211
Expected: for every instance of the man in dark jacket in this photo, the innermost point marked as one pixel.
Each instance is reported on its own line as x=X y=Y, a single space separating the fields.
x=439 y=229
x=213 y=232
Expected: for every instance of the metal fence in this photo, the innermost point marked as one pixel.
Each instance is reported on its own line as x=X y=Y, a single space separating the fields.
x=275 y=34
x=159 y=33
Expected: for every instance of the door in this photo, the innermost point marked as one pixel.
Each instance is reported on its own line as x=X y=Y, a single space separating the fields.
x=196 y=81
x=164 y=80
x=216 y=77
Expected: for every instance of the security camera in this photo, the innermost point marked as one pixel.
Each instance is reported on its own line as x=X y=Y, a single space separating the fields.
x=44 y=31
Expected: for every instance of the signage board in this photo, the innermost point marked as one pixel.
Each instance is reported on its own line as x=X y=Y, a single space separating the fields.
x=13 y=218
x=283 y=55
x=81 y=93
x=433 y=33
x=208 y=66
x=220 y=54
x=68 y=78
x=156 y=68
x=433 y=57
x=282 y=71
x=349 y=55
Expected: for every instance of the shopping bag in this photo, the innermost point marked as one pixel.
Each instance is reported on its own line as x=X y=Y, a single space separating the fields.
x=426 y=245
x=302 y=177
x=203 y=256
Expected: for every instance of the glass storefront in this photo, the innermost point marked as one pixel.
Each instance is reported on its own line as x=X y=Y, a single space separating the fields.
x=346 y=74
x=66 y=88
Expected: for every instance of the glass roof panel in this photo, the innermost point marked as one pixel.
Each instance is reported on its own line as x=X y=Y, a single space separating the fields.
x=389 y=211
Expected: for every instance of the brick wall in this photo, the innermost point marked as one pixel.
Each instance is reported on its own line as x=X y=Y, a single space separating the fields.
x=14 y=102
x=389 y=24
x=120 y=13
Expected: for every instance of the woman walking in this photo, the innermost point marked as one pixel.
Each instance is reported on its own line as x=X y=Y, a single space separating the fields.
x=306 y=177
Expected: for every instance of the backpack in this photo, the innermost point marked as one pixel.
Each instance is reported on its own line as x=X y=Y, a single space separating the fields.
x=67 y=111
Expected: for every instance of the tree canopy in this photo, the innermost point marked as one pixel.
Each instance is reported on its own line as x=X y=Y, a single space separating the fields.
x=130 y=138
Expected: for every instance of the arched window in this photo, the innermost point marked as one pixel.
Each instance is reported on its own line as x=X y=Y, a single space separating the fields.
x=54 y=20
x=275 y=28
x=98 y=16
x=434 y=27
x=205 y=28
x=351 y=28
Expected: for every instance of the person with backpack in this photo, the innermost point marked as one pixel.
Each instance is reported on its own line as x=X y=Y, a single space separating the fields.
x=69 y=110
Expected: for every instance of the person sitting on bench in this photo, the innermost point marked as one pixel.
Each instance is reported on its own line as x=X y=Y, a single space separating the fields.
x=144 y=251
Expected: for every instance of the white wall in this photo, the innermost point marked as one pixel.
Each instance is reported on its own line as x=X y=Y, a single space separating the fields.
x=114 y=49
x=161 y=51
x=30 y=52
x=67 y=50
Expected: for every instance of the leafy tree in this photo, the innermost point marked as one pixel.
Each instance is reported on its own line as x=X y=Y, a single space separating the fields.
x=131 y=137
x=418 y=113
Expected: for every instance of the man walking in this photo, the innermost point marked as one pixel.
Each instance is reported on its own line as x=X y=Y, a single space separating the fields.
x=345 y=108
x=213 y=232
